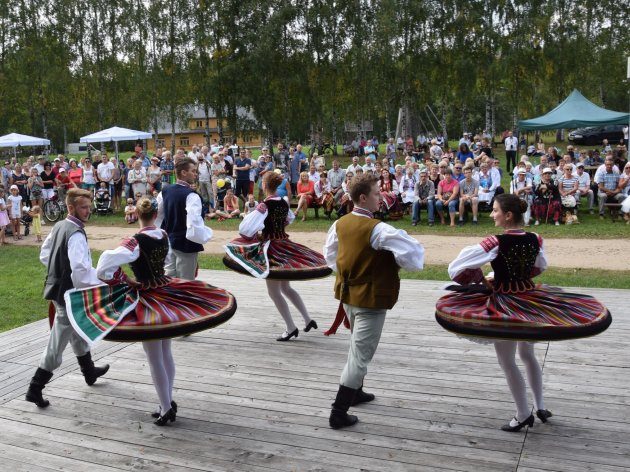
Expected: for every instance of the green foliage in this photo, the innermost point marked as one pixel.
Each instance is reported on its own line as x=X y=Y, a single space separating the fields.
x=70 y=67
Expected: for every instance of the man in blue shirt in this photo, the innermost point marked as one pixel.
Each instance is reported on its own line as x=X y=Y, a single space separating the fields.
x=242 y=165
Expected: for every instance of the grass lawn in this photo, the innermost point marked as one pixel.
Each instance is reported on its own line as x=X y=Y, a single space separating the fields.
x=23 y=281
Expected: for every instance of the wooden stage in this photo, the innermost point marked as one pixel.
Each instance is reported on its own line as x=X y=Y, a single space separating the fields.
x=249 y=403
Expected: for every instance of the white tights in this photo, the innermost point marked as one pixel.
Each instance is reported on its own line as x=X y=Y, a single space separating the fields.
x=162 y=369
x=506 y=351
x=278 y=289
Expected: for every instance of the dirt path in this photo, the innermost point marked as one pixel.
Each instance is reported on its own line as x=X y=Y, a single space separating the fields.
x=567 y=253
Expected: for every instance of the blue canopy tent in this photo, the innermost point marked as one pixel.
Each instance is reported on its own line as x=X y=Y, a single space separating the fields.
x=574 y=112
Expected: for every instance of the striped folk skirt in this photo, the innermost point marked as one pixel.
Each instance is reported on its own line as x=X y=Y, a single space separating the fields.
x=540 y=314
x=122 y=313
x=275 y=259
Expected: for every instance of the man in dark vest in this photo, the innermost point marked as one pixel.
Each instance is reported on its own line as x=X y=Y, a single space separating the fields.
x=180 y=215
x=367 y=255
x=66 y=254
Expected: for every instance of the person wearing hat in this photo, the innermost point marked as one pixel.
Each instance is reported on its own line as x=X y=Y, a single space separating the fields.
x=546 y=204
x=66 y=255
x=523 y=188
x=64 y=183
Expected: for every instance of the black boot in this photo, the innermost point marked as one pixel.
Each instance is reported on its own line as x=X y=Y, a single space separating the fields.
x=89 y=370
x=339 y=417
x=362 y=397
x=38 y=382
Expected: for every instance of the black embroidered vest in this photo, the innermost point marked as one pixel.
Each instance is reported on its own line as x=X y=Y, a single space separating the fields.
x=148 y=269
x=515 y=261
x=277 y=212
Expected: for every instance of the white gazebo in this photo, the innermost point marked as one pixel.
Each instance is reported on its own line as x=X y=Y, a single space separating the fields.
x=14 y=140
x=115 y=134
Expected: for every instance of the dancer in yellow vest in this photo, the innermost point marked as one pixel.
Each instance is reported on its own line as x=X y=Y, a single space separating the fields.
x=367 y=255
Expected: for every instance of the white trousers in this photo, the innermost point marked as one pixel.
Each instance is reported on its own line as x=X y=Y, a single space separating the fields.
x=366 y=325
x=61 y=334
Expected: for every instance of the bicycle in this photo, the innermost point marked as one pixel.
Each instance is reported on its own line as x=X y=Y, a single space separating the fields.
x=54 y=209
x=322 y=148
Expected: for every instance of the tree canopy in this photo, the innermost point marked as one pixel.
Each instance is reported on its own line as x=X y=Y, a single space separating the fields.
x=70 y=67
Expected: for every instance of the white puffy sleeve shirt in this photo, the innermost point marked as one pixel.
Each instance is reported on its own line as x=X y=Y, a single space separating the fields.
x=466 y=268
x=196 y=230
x=408 y=253
x=255 y=220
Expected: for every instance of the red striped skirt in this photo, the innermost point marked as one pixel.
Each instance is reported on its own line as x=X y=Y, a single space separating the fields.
x=541 y=314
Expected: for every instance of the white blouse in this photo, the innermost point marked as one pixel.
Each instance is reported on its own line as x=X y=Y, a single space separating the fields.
x=255 y=220
x=466 y=268
x=128 y=251
x=408 y=253
x=196 y=230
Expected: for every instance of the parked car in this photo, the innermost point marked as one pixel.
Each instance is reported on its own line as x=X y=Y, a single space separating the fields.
x=595 y=134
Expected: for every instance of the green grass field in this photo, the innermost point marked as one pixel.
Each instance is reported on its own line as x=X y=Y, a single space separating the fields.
x=23 y=276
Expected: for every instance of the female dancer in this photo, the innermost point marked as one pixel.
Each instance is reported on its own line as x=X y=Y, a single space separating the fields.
x=511 y=309
x=272 y=256
x=152 y=308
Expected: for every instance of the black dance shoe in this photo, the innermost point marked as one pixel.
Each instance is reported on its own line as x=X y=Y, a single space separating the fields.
x=165 y=418
x=156 y=414
x=286 y=336
x=543 y=415
x=362 y=397
x=513 y=429
x=311 y=325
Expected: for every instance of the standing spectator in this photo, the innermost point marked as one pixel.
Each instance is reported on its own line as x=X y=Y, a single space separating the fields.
x=301 y=157
x=19 y=178
x=88 y=178
x=205 y=182
x=48 y=179
x=138 y=179
x=154 y=176
x=35 y=188
x=608 y=183
x=242 y=166
x=118 y=179
x=217 y=171
x=64 y=183
x=424 y=194
x=295 y=166
x=390 y=151
x=40 y=164
x=511 y=147
x=168 y=169
x=435 y=151
x=253 y=172
x=5 y=174
x=14 y=202
x=266 y=165
x=75 y=173
x=105 y=173
x=447 y=196
x=547 y=199
x=4 y=218
x=282 y=157
x=523 y=188
x=468 y=196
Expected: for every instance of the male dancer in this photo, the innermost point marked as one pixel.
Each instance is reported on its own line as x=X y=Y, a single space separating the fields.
x=66 y=254
x=180 y=215
x=366 y=254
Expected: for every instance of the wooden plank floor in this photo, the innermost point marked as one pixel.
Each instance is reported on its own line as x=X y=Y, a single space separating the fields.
x=249 y=403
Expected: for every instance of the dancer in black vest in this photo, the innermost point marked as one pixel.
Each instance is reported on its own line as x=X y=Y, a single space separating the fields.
x=66 y=254
x=180 y=215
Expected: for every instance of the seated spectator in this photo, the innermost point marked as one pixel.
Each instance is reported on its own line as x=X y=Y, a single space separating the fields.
x=324 y=196
x=457 y=171
x=487 y=185
x=318 y=160
x=608 y=186
x=547 y=200
x=624 y=185
x=435 y=151
x=399 y=172
x=305 y=194
x=137 y=177
x=464 y=153
x=250 y=205
x=345 y=202
x=584 y=187
x=390 y=205
x=354 y=166
x=407 y=186
x=230 y=207
x=131 y=215
x=447 y=197
x=424 y=197
x=468 y=196
x=568 y=187
x=523 y=188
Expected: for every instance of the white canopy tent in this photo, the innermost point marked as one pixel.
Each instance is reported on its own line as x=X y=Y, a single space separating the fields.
x=115 y=134
x=14 y=140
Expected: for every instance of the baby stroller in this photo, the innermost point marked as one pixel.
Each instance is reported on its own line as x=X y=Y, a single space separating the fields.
x=103 y=203
x=26 y=221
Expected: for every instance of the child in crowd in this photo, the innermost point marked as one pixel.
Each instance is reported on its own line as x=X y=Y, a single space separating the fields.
x=138 y=196
x=103 y=192
x=131 y=215
x=250 y=205
x=15 y=210
x=36 y=214
x=4 y=217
